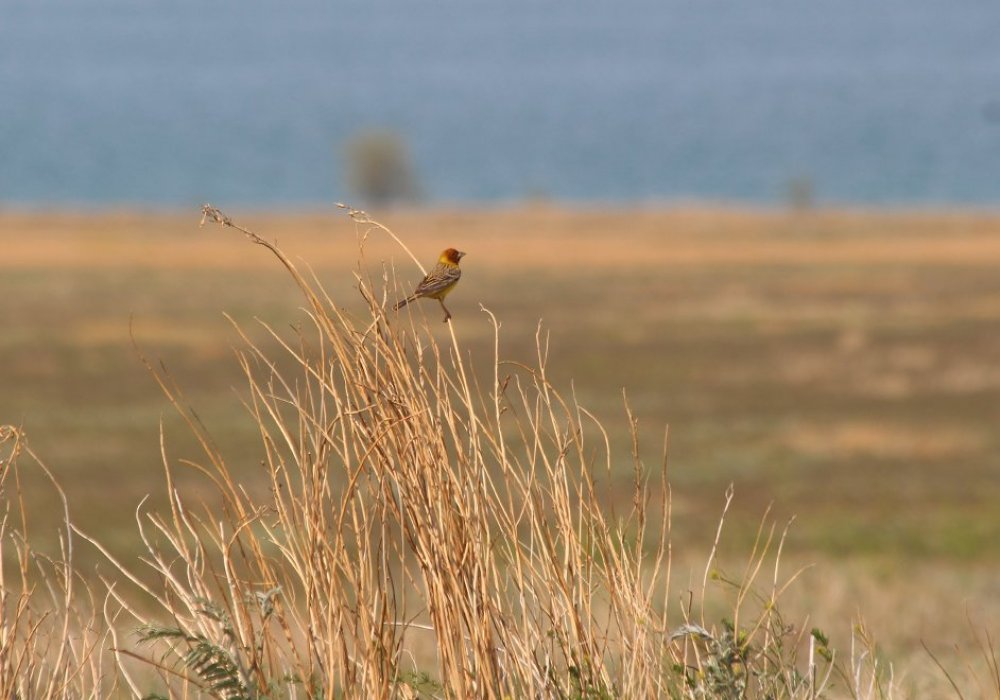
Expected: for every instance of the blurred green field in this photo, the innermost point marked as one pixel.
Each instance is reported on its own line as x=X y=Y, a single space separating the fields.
x=842 y=366
x=839 y=367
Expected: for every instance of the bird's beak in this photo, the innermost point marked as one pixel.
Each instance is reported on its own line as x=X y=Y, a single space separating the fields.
x=461 y=255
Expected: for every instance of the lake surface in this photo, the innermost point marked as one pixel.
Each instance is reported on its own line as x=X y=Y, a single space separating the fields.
x=176 y=102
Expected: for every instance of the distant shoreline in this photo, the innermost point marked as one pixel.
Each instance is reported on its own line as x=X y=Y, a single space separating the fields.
x=659 y=206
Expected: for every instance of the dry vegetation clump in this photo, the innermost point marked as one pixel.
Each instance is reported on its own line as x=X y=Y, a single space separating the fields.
x=426 y=533
x=53 y=642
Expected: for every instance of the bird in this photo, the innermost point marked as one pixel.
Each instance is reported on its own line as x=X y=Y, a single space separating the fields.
x=439 y=281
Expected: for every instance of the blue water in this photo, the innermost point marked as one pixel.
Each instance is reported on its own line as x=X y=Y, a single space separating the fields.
x=174 y=102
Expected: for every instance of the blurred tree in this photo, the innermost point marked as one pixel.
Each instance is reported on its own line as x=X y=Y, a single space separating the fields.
x=379 y=169
x=801 y=193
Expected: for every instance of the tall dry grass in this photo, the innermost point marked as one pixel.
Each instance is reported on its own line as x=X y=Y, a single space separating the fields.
x=425 y=532
x=53 y=639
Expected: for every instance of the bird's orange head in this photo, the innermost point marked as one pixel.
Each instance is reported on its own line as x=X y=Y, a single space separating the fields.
x=451 y=256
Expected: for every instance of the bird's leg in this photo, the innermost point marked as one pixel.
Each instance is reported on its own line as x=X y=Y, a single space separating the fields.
x=447 y=314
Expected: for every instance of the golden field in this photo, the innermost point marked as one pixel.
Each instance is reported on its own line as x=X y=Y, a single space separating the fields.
x=841 y=367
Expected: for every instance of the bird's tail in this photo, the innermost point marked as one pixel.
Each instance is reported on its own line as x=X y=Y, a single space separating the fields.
x=403 y=303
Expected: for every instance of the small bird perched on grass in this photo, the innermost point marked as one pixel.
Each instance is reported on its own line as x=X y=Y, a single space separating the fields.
x=439 y=281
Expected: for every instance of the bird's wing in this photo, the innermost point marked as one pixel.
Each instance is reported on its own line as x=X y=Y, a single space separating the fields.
x=440 y=278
